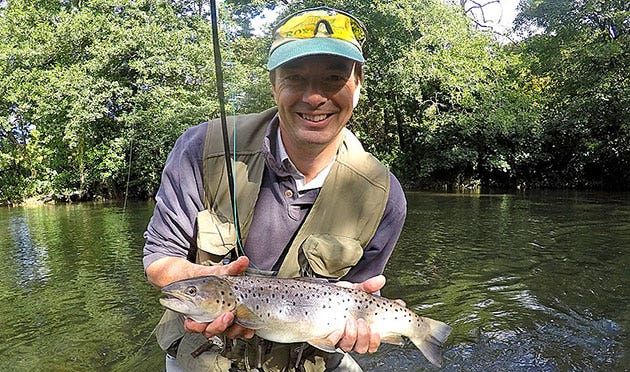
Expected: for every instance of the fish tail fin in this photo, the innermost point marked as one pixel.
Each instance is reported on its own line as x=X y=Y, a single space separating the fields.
x=431 y=343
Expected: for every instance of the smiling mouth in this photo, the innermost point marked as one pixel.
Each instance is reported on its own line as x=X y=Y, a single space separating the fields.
x=315 y=118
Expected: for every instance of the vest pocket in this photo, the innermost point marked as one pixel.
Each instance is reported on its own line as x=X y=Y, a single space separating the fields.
x=331 y=256
x=215 y=237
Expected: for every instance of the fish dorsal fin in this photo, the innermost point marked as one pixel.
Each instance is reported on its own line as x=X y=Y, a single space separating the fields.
x=247 y=318
x=323 y=344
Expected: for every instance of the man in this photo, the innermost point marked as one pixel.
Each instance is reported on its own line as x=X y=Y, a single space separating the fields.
x=310 y=201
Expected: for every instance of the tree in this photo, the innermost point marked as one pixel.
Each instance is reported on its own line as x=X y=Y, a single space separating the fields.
x=96 y=80
x=581 y=48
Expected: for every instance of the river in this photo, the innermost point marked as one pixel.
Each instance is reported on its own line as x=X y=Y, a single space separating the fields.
x=532 y=282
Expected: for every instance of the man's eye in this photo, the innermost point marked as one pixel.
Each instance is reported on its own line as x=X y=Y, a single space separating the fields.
x=294 y=78
x=335 y=78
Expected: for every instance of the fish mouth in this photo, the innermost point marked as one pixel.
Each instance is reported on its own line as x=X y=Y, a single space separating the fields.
x=175 y=304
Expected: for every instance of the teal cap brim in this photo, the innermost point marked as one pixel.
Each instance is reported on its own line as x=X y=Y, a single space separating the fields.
x=308 y=47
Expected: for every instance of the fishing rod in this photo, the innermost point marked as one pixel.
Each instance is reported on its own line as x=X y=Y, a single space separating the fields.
x=218 y=68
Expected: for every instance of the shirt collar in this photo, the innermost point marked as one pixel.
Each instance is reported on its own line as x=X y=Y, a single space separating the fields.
x=300 y=179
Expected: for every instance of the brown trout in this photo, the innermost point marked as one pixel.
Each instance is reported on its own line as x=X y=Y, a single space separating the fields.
x=302 y=310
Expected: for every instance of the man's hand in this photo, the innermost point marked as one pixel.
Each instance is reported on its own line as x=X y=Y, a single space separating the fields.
x=222 y=324
x=357 y=335
x=169 y=269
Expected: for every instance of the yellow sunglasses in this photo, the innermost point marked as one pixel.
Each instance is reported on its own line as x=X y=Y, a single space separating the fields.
x=320 y=22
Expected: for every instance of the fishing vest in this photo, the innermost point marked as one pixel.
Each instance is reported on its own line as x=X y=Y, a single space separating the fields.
x=331 y=240
x=341 y=223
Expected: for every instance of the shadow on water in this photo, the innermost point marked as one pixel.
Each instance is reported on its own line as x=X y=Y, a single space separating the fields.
x=535 y=283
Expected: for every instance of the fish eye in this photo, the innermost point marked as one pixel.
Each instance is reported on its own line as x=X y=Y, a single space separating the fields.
x=191 y=291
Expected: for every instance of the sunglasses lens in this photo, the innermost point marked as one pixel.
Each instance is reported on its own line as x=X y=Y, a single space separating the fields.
x=322 y=22
x=317 y=31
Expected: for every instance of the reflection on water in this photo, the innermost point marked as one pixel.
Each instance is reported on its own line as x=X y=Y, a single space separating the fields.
x=536 y=283
x=31 y=257
x=72 y=289
x=528 y=283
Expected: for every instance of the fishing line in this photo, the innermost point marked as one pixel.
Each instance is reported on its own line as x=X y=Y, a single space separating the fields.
x=218 y=67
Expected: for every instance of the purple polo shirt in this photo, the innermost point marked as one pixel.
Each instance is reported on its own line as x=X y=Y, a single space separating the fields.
x=278 y=214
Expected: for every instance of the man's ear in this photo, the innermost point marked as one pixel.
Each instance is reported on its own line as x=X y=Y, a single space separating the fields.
x=273 y=92
x=272 y=81
x=357 y=94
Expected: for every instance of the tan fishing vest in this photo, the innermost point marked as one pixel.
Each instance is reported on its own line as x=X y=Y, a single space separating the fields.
x=341 y=223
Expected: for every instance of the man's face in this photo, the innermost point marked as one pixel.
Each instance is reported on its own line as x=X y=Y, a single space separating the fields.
x=315 y=97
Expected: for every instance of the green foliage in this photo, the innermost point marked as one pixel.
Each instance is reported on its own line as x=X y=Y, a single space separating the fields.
x=98 y=80
x=582 y=50
x=87 y=86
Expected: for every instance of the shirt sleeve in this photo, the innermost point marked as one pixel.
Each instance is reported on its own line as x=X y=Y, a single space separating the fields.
x=380 y=248
x=171 y=230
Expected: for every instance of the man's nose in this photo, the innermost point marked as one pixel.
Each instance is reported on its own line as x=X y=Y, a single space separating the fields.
x=314 y=95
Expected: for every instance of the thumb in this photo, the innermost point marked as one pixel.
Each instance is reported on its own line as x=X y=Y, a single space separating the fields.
x=236 y=267
x=372 y=285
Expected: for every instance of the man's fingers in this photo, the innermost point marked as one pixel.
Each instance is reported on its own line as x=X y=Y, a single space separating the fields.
x=349 y=337
x=371 y=285
x=217 y=326
x=335 y=337
x=362 y=343
x=194 y=327
x=375 y=342
x=236 y=331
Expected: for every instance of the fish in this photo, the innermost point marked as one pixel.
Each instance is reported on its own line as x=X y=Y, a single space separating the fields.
x=302 y=310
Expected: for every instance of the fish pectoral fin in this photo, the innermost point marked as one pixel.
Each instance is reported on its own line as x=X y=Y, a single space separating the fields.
x=247 y=318
x=393 y=339
x=323 y=344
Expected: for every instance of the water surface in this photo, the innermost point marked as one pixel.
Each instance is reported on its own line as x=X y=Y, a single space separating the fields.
x=534 y=282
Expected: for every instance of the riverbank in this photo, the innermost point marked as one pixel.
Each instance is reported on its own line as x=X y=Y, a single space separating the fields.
x=53 y=198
